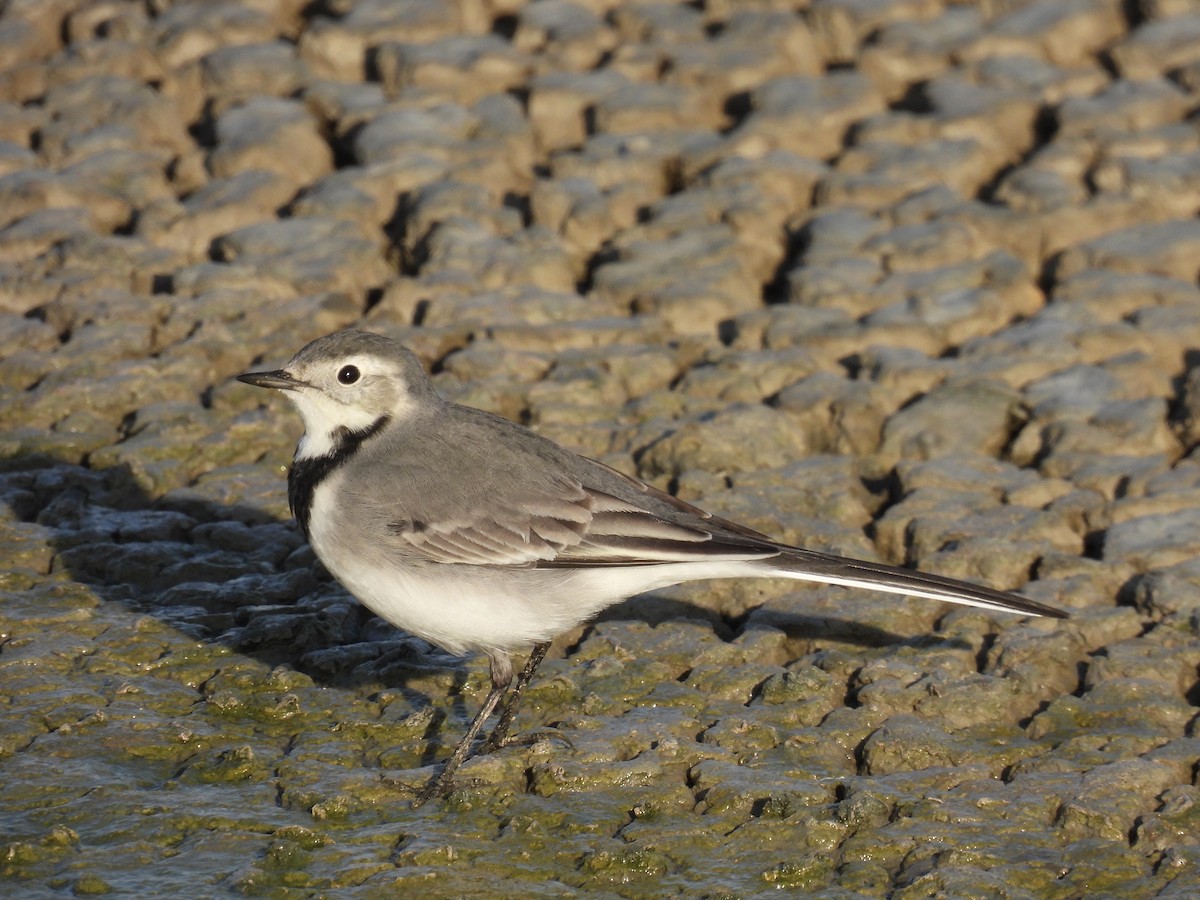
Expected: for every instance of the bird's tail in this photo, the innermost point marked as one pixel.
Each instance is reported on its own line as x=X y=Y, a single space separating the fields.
x=809 y=565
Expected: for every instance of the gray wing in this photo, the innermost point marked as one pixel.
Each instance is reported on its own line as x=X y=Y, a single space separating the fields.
x=583 y=513
x=570 y=526
x=468 y=487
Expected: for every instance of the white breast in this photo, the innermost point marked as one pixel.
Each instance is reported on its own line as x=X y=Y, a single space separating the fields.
x=465 y=607
x=456 y=607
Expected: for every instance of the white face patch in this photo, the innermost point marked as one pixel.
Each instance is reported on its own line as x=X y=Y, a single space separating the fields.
x=330 y=404
x=323 y=418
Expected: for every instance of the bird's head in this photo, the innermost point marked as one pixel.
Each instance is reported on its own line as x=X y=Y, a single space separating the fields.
x=347 y=382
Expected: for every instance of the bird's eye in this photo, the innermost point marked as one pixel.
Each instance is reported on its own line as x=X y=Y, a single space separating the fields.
x=348 y=374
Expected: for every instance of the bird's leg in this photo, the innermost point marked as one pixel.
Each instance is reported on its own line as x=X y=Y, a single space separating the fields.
x=499 y=736
x=501 y=669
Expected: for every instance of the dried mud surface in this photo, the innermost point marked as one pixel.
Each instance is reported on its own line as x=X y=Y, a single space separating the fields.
x=900 y=279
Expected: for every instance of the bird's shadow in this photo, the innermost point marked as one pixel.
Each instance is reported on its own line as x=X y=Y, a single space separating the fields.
x=238 y=575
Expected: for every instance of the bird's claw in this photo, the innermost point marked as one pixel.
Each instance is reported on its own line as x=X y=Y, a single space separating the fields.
x=438 y=787
x=443 y=785
x=526 y=740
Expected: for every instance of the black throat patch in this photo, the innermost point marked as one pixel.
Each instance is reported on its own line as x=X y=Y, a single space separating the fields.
x=306 y=474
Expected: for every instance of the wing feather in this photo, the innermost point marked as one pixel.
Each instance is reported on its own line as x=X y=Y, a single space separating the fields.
x=578 y=526
x=567 y=511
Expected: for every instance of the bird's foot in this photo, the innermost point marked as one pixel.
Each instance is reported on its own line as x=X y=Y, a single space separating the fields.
x=495 y=742
x=443 y=785
x=438 y=787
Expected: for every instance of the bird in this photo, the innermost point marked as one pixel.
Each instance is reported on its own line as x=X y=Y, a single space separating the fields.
x=476 y=533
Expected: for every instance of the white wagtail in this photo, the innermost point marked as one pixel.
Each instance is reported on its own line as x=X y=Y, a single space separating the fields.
x=475 y=533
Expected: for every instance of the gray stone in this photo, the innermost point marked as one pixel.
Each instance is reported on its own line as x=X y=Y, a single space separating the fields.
x=234 y=75
x=1125 y=105
x=137 y=177
x=466 y=67
x=907 y=52
x=221 y=206
x=312 y=254
x=837 y=233
x=963 y=164
x=641 y=108
x=337 y=47
x=718 y=443
x=641 y=270
x=1158 y=46
x=401 y=131
x=848 y=283
x=1067 y=33
x=559 y=101
x=806 y=116
x=249 y=137
x=37 y=192
x=189 y=31
x=746 y=375
x=840 y=28
x=1166 y=181
x=567 y=35
x=836 y=415
x=105 y=102
x=1152 y=542
x=426 y=208
x=967 y=415
x=1168 y=249
x=461 y=245
x=733 y=61
x=1032 y=190
x=585 y=215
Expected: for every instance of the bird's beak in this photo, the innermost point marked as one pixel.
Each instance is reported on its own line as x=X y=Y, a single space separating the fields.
x=278 y=379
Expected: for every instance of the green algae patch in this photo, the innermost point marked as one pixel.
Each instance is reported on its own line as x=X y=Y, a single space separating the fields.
x=18 y=857
x=744 y=737
x=52 y=604
x=812 y=870
x=572 y=775
x=278 y=697
x=621 y=867
x=797 y=685
x=736 y=683
x=91 y=886
x=225 y=767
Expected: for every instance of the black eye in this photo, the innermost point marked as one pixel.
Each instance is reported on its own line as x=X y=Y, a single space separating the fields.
x=348 y=374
